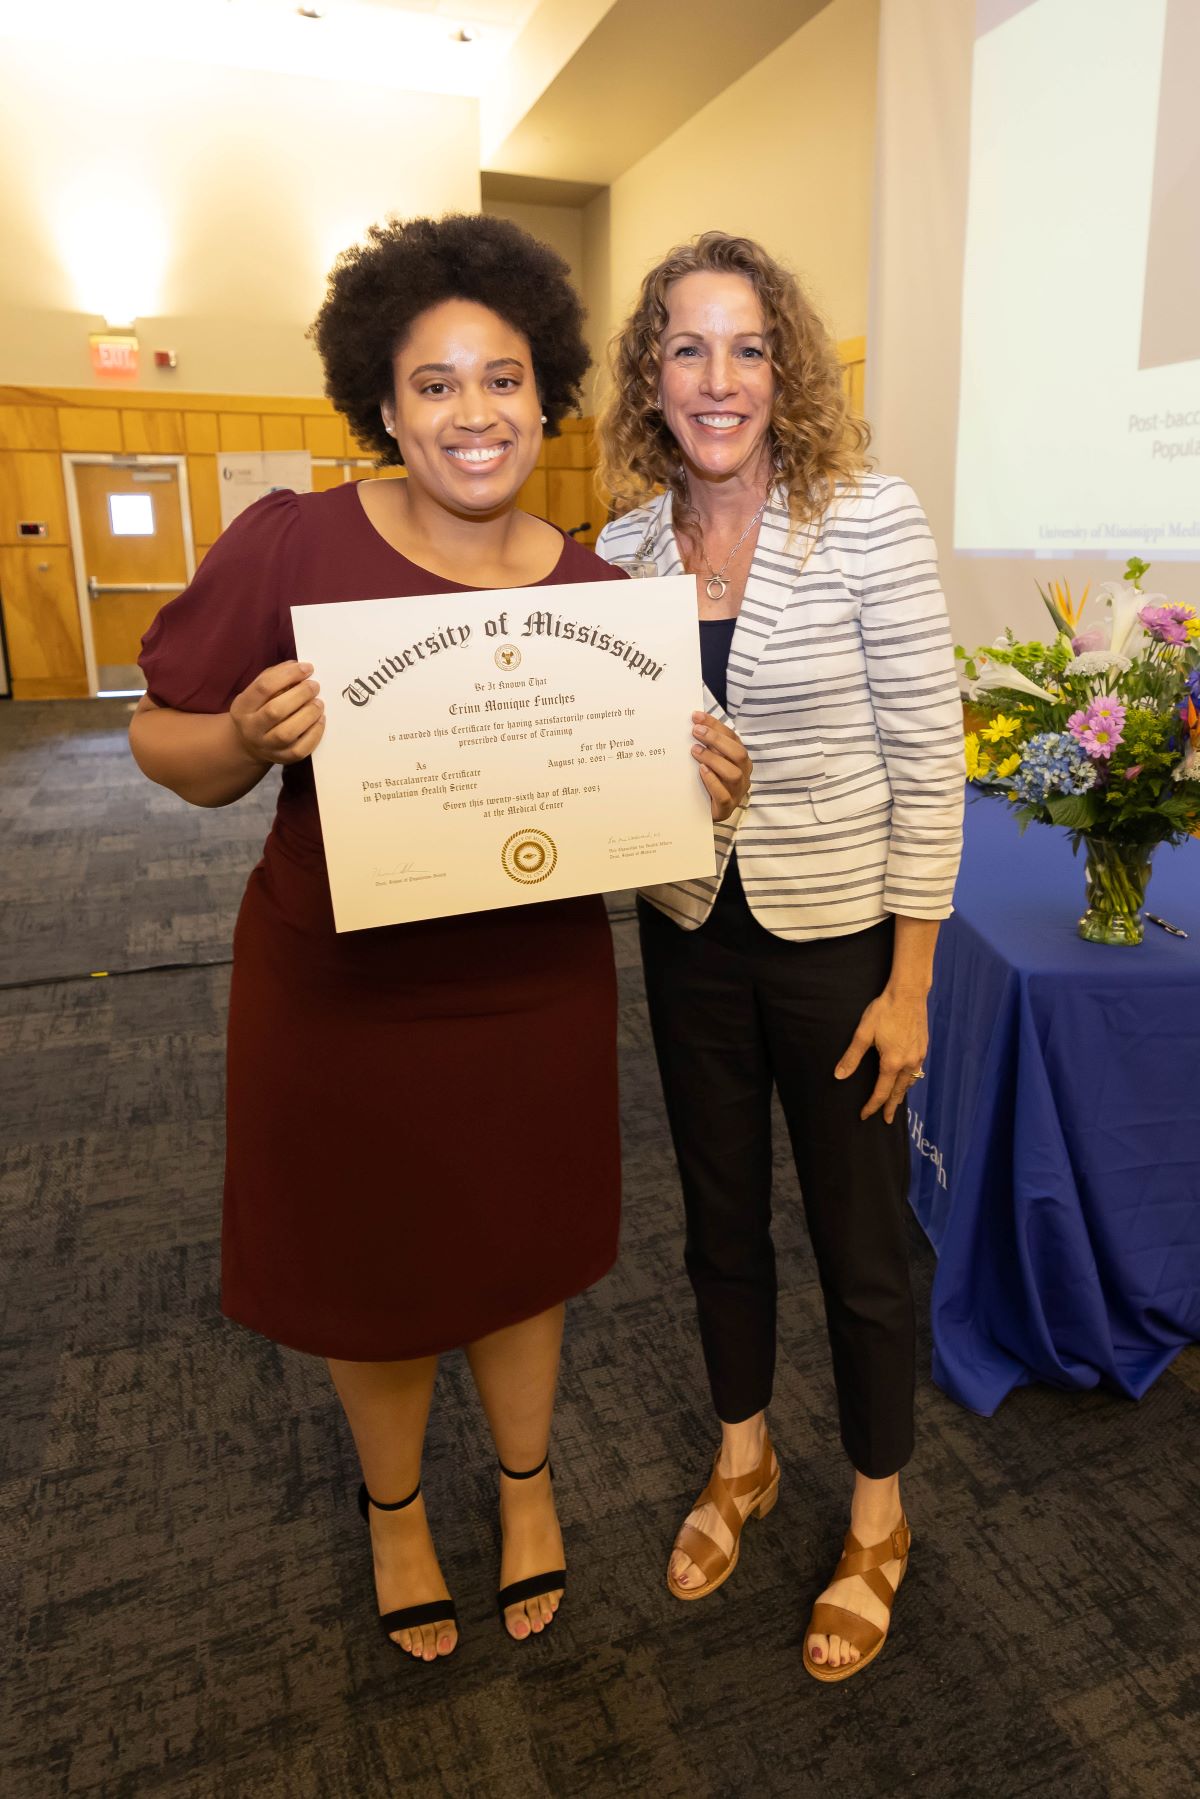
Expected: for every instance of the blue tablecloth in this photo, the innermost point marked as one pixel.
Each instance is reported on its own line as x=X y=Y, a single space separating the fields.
x=1056 y=1135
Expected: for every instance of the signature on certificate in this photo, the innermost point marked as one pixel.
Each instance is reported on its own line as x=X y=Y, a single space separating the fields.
x=403 y=871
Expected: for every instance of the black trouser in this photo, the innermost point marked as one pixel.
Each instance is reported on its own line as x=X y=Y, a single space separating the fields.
x=736 y=1011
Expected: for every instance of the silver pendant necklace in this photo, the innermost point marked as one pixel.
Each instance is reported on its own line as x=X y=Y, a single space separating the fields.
x=717 y=586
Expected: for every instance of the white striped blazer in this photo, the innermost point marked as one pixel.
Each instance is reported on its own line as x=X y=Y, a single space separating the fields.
x=842 y=686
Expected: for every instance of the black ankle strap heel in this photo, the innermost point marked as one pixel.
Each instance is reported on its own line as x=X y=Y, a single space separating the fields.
x=528 y=1473
x=437 y=1611
x=534 y=1585
x=365 y=1501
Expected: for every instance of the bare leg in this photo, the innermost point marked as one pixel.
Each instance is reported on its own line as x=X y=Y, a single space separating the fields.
x=516 y=1371
x=387 y=1406
x=875 y=1512
x=741 y=1452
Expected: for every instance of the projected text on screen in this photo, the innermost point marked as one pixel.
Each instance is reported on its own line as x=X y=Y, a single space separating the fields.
x=1079 y=400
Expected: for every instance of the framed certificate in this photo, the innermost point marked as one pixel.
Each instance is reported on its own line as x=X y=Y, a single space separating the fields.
x=488 y=749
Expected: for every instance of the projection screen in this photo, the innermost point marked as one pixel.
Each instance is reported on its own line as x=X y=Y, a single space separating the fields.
x=1034 y=341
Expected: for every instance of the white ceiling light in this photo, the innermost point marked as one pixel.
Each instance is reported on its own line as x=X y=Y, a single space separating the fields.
x=432 y=46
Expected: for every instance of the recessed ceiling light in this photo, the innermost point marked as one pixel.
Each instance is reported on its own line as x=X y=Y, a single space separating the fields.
x=465 y=34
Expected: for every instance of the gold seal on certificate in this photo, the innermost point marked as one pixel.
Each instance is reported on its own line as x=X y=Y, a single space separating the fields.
x=529 y=855
x=487 y=749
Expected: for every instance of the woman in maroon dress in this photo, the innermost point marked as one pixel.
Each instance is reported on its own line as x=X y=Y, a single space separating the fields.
x=375 y=1079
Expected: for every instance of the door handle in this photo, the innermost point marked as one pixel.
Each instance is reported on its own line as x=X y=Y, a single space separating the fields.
x=96 y=588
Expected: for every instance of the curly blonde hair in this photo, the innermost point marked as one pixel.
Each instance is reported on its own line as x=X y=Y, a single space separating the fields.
x=816 y=442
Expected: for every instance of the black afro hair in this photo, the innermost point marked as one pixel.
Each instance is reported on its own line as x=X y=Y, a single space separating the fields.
x=378 y=288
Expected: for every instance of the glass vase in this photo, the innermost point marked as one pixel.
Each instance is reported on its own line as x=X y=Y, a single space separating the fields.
x=1115 y=876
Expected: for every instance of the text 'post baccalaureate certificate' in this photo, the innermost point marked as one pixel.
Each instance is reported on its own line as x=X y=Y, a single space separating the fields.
x=487 y=749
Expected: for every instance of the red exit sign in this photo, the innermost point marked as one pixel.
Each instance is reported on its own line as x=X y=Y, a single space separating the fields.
x=113 y=355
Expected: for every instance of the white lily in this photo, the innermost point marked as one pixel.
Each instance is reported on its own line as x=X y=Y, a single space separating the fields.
x=1001 y=677
x=1124 y=601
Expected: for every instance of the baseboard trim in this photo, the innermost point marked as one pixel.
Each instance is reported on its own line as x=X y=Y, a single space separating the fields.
x=50 y=688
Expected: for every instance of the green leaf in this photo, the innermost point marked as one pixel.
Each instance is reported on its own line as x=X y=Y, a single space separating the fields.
x=1074 y=811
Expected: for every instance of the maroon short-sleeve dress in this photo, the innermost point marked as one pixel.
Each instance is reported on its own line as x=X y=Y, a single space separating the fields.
x=422 y=1119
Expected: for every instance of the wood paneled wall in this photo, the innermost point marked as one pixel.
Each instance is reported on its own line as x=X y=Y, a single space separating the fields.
x=37 y=581
x=37 y=578
x=853 y=352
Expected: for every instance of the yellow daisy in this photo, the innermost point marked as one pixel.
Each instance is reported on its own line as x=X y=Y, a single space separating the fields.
x=978 y=761
x=1009 y=766
x=1000 y=728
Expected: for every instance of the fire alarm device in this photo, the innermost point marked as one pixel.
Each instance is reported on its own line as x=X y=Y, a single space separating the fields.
x=165 y=359
x=28 y=527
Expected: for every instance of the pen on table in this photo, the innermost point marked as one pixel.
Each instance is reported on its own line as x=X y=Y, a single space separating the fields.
x=1162 y=924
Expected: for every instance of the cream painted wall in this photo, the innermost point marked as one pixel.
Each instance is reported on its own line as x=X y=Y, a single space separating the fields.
x=219 y=196
x=784 y=155
x=597 y=281
x=580 y=234
x=559 y=226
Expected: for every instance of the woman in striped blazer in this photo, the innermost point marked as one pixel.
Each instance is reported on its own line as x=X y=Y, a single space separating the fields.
x=804 y=963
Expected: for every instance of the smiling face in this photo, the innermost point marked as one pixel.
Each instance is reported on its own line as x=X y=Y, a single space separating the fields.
x=717 y=386
x=465 y=409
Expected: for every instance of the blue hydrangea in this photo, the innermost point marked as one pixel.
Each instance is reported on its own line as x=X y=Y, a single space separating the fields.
x=1052 y=762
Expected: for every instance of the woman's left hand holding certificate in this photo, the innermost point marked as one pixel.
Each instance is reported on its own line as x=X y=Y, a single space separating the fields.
x=724 y=764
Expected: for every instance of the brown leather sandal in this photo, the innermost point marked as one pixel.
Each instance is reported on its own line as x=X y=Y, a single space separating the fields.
x=708 y=1556
x=833 y=1620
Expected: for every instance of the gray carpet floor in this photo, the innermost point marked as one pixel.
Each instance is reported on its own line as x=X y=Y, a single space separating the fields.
x=188 y=1603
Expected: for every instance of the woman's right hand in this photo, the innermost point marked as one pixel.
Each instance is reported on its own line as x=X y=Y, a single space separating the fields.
x=279 y=717
x=725 y=765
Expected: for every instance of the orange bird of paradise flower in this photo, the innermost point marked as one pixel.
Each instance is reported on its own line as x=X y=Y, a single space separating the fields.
x=1065 y=611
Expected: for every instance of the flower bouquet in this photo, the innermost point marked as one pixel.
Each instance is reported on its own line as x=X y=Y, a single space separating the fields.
x=1097 y=731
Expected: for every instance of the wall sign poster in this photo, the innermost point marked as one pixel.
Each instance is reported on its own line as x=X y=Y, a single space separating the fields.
x=246 y=475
